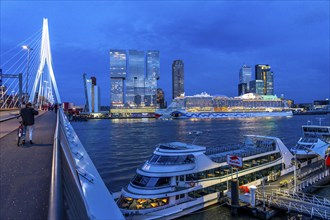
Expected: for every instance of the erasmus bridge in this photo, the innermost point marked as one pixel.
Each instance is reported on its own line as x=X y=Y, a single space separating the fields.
x=54 y=178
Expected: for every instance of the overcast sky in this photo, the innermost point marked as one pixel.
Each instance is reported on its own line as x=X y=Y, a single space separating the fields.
x=213 y=38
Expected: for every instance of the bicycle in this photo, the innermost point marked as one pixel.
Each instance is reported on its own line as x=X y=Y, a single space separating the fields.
x=20 y=132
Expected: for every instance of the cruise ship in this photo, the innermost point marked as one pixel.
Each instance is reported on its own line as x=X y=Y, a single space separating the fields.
x=206 y=106
x=181 y=178
x=314 y=142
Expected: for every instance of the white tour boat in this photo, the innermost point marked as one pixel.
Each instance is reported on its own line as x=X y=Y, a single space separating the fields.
x=315 y=141
x=181 y=178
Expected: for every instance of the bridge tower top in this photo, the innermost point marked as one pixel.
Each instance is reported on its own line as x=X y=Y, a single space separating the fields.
x=45 y=58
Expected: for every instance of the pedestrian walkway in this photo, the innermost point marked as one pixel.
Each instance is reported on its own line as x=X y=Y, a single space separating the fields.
x=25 y=172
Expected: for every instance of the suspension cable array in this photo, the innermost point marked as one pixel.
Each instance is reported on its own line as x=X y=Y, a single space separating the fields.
x=23 y=76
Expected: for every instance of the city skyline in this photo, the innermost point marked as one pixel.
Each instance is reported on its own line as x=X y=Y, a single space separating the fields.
x=212 y=41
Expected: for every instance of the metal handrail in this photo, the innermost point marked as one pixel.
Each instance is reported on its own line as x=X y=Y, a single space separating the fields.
x=55 y=210
x=77 y=190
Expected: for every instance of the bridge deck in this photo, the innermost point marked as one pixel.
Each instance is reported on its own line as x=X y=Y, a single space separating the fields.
x=25 y=172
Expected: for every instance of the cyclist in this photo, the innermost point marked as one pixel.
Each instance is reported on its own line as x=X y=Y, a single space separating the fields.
x=27 y=115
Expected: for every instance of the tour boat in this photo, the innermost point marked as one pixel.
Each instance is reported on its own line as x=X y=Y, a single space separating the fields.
x=314 y=142
x=181 y=178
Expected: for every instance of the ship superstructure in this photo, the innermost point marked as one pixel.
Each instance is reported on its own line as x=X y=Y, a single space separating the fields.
x=206 y=106
x=314 y=142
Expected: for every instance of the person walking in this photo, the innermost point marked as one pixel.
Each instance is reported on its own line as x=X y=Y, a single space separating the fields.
x=56 y=107
x=27 y=115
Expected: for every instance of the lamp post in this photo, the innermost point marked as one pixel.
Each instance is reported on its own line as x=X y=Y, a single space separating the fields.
x=26 y=47
x=295 y=173
x=227 y=172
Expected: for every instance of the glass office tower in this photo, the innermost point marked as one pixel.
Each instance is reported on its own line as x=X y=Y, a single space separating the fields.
x=117 y=76
x=134 y=78
x=257 y=86
x=245 y=76
x=152 y=76
x=263 y=73
x=177 y=78
x=135 y=81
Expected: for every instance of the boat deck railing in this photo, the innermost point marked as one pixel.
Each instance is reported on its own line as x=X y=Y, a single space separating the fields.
x=240 y=151
x=220 y=149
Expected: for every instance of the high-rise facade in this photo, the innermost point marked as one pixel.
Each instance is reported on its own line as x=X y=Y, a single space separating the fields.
x=257 y=86
x=152 y=76
x=118 y=72
x=177 y=78
x=136 y=83
x=245 y=76
x=263 y=72
x=161 y=98
x=93 y=95
x=242 y=88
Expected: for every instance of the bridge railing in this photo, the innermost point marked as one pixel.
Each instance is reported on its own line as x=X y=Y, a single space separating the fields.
x=77 y=190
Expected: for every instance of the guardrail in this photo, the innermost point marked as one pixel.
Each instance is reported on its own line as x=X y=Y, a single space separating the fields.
x=312 y=180
x=77 y=190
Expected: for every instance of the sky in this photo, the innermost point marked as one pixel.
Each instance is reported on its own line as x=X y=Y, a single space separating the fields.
x=213 y=38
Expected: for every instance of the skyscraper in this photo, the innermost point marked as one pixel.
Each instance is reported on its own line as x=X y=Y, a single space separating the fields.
x=134 y=77
x=245 y=74
x=257 y=86
x=93 y=95
x=177 y=78
x=135 y=81
x=117 y=76
x=161 y=98
x=242 y=88
x=263 y=72
x=152 y=76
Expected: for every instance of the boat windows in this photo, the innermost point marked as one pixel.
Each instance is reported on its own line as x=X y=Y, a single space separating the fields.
x=220 y=187
x=226 y=170
x=316 y=130
x=181 y=196
x=171 y=160
x=154 y=158
x=133 y=204
x=146 y=181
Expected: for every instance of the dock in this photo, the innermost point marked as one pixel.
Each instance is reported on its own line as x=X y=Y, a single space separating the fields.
x=271 y=197
x=25 y=172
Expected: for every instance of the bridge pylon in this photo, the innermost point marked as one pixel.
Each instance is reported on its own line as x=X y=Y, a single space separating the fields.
x=45 y=58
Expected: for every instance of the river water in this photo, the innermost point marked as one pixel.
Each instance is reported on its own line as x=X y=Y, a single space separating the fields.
x=117 y=147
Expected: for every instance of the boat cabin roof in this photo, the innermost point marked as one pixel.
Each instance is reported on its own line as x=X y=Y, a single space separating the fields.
x=179 y=147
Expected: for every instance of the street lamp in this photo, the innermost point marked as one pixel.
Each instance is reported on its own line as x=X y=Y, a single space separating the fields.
x=26 y=47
